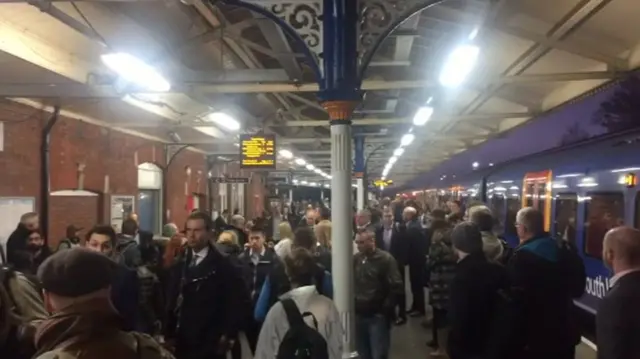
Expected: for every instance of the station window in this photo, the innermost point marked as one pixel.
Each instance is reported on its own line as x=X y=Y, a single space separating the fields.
x=603 y=211
x=497 y=209
x=513 y=206
x=566 y=216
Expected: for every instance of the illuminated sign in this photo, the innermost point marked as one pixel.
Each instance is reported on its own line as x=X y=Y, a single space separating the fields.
x=258 y=151
x=382 y=183
x=630 y=180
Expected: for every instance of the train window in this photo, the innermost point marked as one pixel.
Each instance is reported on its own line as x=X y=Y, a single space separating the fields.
x=497 y=209
x=566 y=215
x=603 y=211
x=541 y=199
x=530 y=193
x=513 y=206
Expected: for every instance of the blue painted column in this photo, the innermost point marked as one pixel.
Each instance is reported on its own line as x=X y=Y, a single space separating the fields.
x=358 y=169
x=340 y=93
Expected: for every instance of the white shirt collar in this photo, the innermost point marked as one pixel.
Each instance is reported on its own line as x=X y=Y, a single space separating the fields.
x=617 y=277
x=202 y=253
x=264 y=249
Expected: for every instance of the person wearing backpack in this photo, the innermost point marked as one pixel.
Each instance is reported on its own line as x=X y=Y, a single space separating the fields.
x=303 y=324
x=277 y=283
x=547 y=274
x=84 y=325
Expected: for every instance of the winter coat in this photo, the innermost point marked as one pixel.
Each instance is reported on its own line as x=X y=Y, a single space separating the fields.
x=442 y=269
x=492 y=247
x=307 y=299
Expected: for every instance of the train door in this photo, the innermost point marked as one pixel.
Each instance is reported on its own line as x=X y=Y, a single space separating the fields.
x=536 y=193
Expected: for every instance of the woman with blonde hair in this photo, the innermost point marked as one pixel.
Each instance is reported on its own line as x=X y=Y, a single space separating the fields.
x=228 y=243
x=322 y=231
x=283 y=248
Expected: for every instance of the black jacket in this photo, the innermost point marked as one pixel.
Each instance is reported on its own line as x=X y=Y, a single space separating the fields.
x=417 y=240
x=125 y=294
x=399 y=246
x=618 y=320
x=205 y=302
x=540 y=284
x=473 y=298
x=16 y=244
x=255 y=275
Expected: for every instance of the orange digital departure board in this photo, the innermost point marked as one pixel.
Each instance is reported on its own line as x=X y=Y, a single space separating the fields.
x=258 y=151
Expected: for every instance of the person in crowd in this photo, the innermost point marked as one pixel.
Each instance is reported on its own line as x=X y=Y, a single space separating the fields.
x=389 y=238
x=207 y=297
x=16 y=245
x=377 y=285
x=125 y=286
x=363 y=221
x=221 y=221
x=174 y=249
x=473 y=293
x=618 y=319
x=127 y=248
x=456 y=215
x=283 y=247
x=546 y=279
x=227 y=243
x=257 y=262
x=322 y=231
x=323 y=315
x=21 y=307
x=418 y=243
x=492 y=246
x=442 y=268
x=35 y=252
x=309 y=219
x=84 y=325
x=277 y=283
x=238 y=224
x=72 y=238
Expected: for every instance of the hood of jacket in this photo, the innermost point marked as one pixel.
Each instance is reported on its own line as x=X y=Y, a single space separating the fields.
x=542 y=246
x=492 y=246
x=94 y=318
x=301 y=295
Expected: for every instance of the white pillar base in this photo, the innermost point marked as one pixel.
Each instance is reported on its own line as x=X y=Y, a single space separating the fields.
x=360 y=193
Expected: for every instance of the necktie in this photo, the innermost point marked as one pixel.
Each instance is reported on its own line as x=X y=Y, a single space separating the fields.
x=194 y=260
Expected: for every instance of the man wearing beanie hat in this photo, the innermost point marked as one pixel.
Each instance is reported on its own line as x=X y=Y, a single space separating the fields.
x=76 y=285
x=473 y=294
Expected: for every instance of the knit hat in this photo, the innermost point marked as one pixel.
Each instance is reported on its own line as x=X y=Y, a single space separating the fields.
x=76 y=272
x=466 y=237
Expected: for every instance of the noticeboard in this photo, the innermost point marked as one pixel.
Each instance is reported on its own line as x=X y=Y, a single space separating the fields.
x=258 y=151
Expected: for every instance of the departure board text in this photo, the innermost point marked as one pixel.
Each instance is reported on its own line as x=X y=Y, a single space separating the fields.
x=258 y=151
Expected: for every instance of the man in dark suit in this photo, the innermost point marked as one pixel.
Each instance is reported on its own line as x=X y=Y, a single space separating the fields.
x=618 y=320
x=388 y=239
x=416 y=238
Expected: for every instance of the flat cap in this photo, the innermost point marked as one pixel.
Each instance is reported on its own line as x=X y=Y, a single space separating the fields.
x=76 y=272
x=466 y=237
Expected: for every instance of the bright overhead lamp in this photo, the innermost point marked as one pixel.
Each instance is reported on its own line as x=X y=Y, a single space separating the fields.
x=223 y=120
x=329 y=176
x=327 y=186
x=383 y=178
x=286 y=154
x=459 y=65
x=313 y=184
x=398 y=152
x=407 y=139
x=300 y=162
x=393 y=159
x=423 y=115
x=304 y=182
x=295 y=181
x=136 y=71
x=310 y=167
x=318 y=171
x=475 y=165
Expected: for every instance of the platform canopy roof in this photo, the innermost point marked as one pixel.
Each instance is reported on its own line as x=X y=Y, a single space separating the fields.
x=533 y=58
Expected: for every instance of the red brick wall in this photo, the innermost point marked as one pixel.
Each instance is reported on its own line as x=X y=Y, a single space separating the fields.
x=103 y=151
x=82 y=211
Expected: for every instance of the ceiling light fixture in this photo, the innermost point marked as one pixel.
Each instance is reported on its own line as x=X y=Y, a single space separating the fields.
x=407 y=139
x=459 y=65
x=423 y=115
x=286 y=154
x=223 y=120
x=136 y=71
x=300 y=162
x=398 y=152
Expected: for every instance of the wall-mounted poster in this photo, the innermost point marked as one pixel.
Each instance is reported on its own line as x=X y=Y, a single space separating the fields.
x=121 y=208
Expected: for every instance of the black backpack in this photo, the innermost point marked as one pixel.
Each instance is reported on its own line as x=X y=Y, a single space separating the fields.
x=301 y=341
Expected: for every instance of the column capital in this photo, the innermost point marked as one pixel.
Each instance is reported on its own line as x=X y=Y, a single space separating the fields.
x=340 y=111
